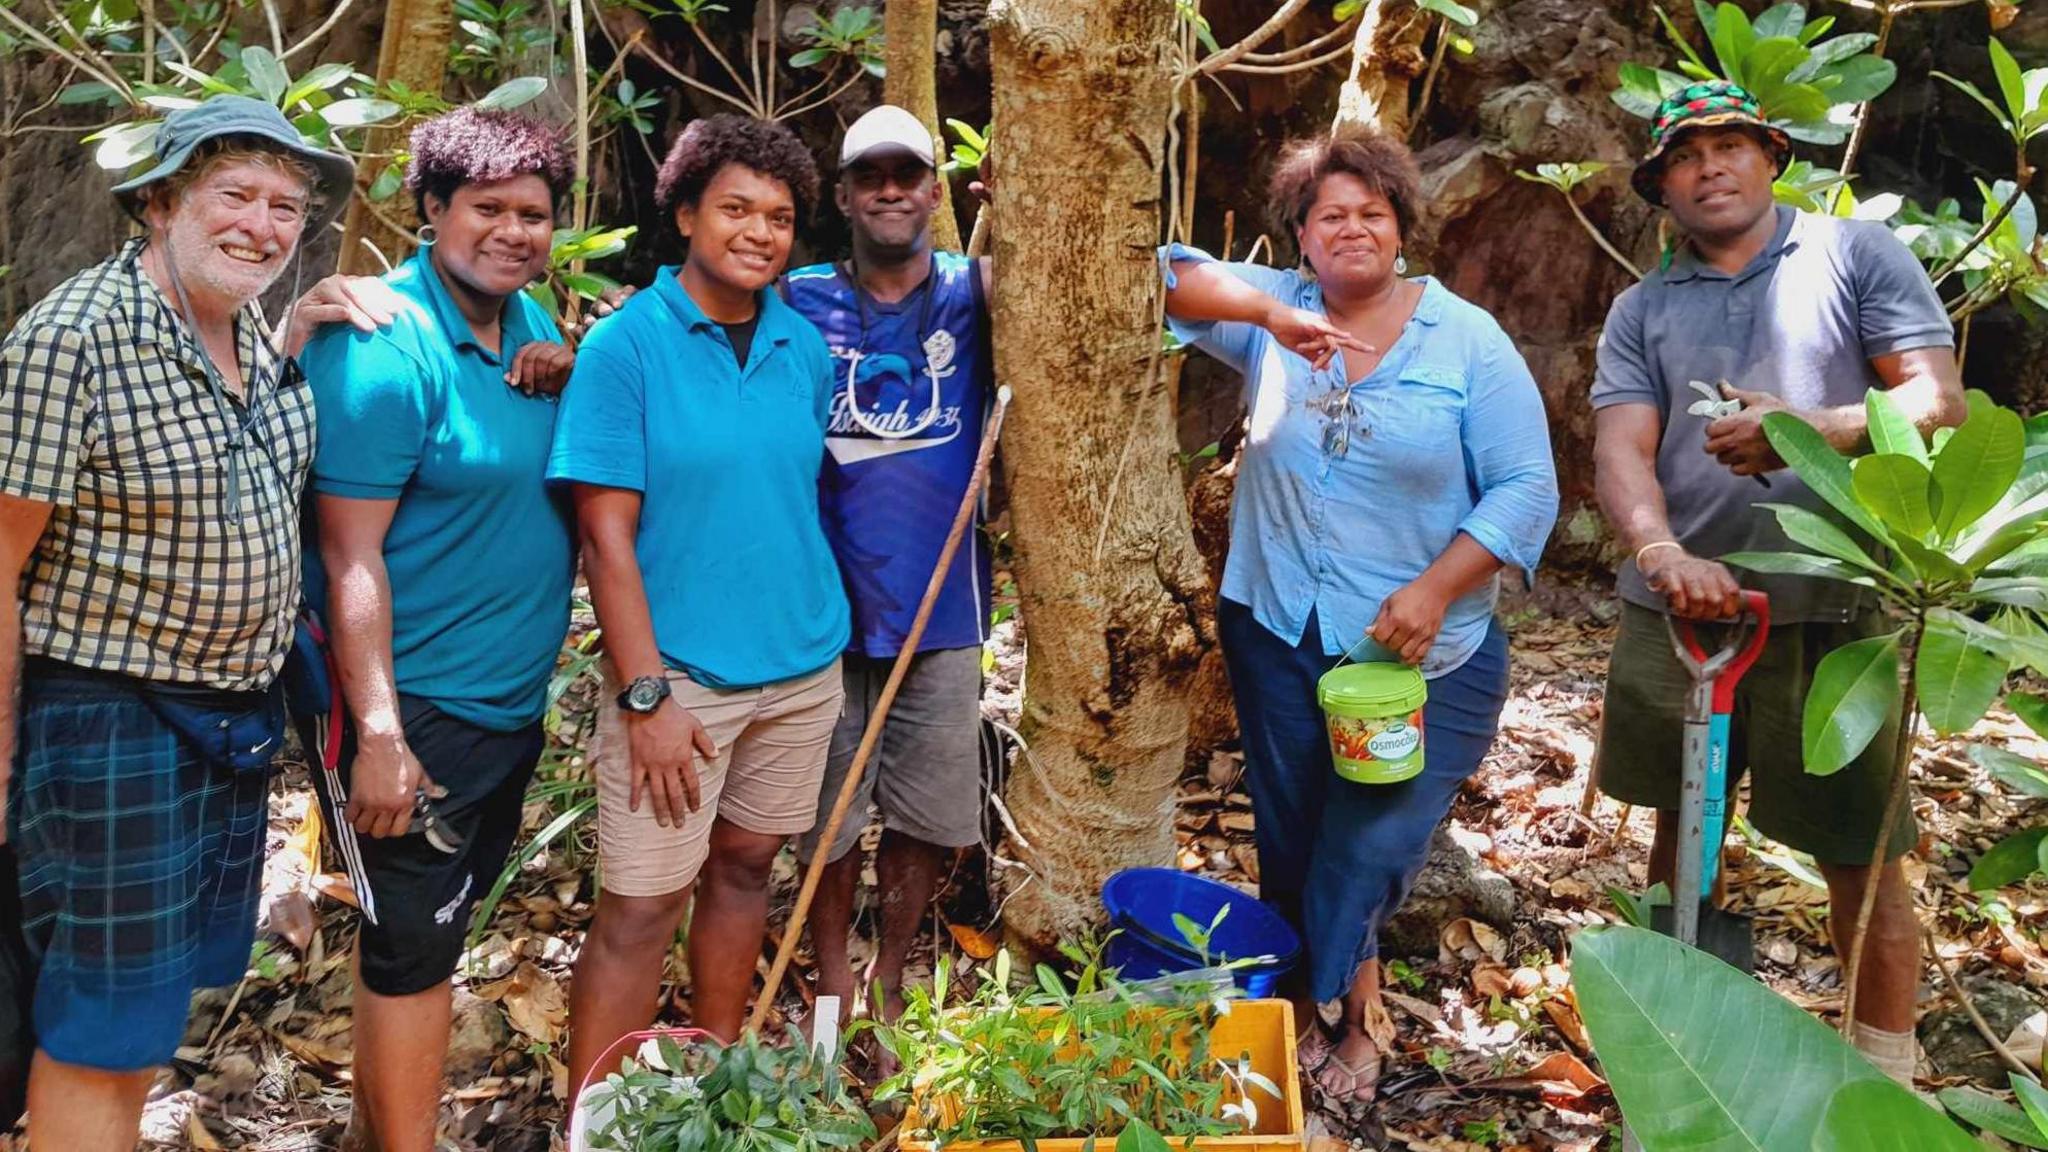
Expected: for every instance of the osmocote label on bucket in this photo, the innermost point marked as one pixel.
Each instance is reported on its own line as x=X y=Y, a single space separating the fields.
x=1374 y=715
x=1397 y=741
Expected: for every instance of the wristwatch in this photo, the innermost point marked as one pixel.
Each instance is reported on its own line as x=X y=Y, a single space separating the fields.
x=644 y=694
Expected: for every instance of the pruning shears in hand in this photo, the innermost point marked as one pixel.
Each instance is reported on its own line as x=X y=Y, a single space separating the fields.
x=429 y=824
x=1714 y=404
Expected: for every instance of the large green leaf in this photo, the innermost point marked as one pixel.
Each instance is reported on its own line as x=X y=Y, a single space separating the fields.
x=1816 y=532
x=1138 y=1136
x=2009 y=634
x=1700 y=1056
x=1857 y=80
x=1891 y=430
x=1957 y=680
x=2029 y=593
x=1897 y=488
x=125 y=146
x=2025 y=500
x=1843 y=47
x=1770 y=62
x=1989 y=1113
x=1785 y=19
x=1825 y=470
x=2033 y=1099
x=515 y=92
x=357 y=112
x=2031 y=709
x=1974 y=93
x=1853 y=691
x=2037 y=430
x=2012 y=770
x=2011 y=84
x=1798 y=564
x=1977 y=466
x=319 y=79
x=1933 y=565
x=266 y=73
x=1880 y=1116
x=1731 y=35
x=2011 y=860
x=1999 y=544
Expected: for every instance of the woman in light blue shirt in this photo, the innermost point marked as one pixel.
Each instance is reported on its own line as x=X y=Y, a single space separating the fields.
x=1398 y=459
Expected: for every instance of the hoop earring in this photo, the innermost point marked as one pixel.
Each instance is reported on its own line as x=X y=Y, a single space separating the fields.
x=427 y=235
x=1400 y=264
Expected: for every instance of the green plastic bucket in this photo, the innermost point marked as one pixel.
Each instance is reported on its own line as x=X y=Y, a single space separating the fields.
x=1374 y=713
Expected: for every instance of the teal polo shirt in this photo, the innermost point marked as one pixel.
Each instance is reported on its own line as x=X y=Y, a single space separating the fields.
x=480 y=552
x=740 y=582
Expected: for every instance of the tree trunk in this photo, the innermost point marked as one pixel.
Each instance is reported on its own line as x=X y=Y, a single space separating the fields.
x=414 y=52
x=1106 y=565
x=1385 y=56
x=911 y=29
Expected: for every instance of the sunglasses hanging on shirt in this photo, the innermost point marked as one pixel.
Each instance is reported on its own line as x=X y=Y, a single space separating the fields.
x=255 y=395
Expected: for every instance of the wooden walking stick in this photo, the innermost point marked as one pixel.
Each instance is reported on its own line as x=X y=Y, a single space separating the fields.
x=873 y=734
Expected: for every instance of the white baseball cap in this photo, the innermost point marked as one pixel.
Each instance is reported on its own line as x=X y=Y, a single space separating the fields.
x=883 y=128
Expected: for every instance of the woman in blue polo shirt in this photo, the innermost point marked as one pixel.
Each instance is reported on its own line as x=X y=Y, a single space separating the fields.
x=443 y=565
x=691 y=437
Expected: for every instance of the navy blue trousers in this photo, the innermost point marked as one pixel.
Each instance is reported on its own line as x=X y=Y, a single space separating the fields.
x=1337 y=858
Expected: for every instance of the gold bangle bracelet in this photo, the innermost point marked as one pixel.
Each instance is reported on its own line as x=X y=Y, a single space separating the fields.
x=1655 y=544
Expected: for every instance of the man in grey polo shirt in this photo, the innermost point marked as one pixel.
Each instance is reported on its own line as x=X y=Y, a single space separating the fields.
x=1767 y=309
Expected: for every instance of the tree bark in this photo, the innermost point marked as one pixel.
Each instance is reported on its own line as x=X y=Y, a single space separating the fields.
x=911 y=29
x=1385 y=56
x=1106 y=566
x=414 y=51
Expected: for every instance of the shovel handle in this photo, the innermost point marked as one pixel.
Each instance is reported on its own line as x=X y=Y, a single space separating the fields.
x=1756 y=611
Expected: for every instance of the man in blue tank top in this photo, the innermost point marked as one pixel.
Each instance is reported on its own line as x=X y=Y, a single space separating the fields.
x=908 y=329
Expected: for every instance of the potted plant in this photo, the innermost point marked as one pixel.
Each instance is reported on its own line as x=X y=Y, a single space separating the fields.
x=1056 y=1067
x=696 y=1095
x=1951 y=533
x=1952 y=536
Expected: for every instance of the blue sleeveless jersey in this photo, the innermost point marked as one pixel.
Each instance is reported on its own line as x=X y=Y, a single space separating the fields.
x=897 y=465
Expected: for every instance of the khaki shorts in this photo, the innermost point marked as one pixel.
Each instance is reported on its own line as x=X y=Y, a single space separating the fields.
x=1642 y=738
x=771 y=745
x=925 y=772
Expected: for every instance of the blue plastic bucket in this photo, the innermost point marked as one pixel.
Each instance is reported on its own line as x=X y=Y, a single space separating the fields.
x=1141 y=903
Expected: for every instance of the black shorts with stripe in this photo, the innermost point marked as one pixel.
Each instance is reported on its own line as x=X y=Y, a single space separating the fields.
x=418 y=898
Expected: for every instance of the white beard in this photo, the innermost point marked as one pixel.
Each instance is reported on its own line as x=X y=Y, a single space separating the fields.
x=197 y=260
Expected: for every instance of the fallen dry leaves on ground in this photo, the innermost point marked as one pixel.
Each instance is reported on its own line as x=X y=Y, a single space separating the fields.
x=1489 y=1050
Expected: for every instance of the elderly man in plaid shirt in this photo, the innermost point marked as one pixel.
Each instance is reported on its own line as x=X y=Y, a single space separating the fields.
x=154 y=439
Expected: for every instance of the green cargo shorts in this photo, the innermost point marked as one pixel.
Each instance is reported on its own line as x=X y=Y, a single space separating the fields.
x=1835 y=818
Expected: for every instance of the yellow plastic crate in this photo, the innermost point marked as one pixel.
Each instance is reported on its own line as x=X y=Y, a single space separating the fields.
x=1263 y=1030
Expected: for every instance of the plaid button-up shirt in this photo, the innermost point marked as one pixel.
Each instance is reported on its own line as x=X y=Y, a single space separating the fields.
x=145 y=568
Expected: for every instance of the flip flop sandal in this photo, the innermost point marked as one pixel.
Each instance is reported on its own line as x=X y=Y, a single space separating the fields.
x=1313 y=1051
x=1352 y=1085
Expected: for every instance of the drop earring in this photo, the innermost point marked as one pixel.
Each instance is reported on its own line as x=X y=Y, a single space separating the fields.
x=1400 y=264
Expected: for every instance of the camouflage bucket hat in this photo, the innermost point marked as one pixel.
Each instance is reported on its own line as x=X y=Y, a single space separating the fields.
x=1712 y=104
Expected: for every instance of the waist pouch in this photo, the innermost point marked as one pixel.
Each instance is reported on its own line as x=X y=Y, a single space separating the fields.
x=237 y=731
x=241 y=736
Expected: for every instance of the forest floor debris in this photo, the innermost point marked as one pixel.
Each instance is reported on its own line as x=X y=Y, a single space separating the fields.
x=1490 y=1050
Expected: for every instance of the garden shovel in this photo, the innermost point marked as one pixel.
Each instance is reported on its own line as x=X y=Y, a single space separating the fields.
x=1703 y=785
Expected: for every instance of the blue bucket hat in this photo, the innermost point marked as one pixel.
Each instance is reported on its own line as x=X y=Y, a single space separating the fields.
x=185 y=130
